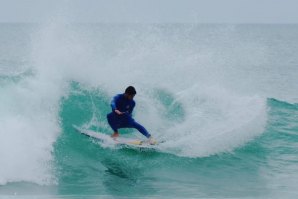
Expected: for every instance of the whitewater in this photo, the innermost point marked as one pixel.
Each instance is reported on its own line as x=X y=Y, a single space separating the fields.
x=222 y=97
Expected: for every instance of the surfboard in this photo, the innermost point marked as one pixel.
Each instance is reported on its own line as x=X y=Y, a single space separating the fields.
x=119 y=141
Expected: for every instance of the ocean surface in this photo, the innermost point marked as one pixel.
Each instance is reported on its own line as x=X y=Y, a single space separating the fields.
x=223 y=98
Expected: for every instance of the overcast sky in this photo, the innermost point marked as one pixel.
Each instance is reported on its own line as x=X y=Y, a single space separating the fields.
x=151 y=11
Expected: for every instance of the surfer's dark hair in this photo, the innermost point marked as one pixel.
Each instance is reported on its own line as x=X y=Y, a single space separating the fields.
x=130 y=90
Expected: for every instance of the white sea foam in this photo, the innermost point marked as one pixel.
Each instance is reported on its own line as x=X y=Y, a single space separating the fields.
x=28 y=130
x=216 y=121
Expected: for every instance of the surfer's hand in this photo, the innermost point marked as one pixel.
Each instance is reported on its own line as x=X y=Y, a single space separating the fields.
x=118 y=112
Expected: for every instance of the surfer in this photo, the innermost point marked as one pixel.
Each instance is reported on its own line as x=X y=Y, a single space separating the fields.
x=121 y=115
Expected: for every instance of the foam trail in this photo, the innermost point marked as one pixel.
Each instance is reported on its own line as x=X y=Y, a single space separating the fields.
x=216 y=121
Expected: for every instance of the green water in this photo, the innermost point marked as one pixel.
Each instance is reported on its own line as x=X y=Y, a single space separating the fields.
x=86 y=168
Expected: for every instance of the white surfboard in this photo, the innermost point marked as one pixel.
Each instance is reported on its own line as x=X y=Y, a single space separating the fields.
x=121 y=141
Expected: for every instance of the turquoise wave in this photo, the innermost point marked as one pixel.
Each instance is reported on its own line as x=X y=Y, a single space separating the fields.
x=84 y=167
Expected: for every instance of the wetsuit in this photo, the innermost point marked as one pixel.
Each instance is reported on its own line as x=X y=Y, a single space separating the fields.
x=121 y=103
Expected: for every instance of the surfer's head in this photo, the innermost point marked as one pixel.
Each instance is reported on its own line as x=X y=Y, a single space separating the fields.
x=130 y=92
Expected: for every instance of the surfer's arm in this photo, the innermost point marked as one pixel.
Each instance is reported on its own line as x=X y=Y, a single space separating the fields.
x=131 y=108
x=114 y=102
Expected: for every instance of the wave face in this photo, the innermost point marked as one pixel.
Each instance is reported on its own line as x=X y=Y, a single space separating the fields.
x=221 y=97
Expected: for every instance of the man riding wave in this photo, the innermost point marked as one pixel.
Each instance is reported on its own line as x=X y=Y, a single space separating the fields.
x=121 y=115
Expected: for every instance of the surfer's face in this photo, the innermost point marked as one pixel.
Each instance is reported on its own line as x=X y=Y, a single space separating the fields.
x=130 y=97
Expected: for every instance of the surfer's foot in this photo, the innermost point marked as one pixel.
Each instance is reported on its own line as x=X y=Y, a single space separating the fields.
x=152 y=141
x=115 y=135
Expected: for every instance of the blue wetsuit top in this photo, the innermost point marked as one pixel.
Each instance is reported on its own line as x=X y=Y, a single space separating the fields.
x=123 y=104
